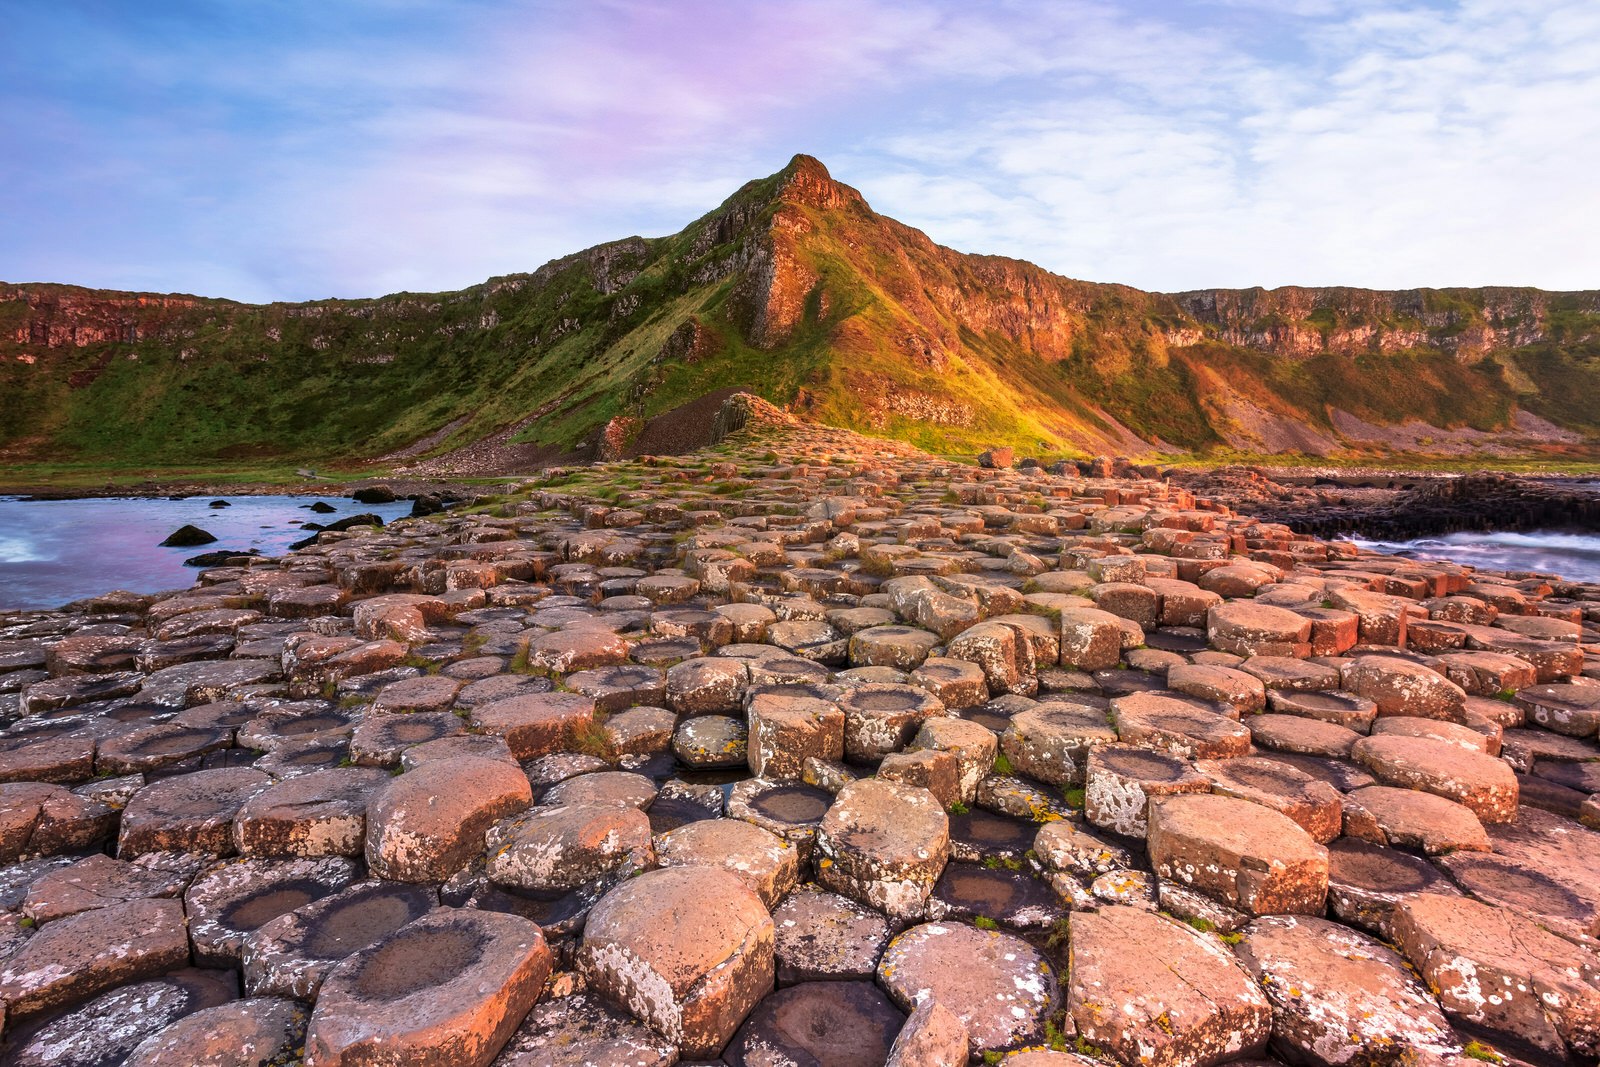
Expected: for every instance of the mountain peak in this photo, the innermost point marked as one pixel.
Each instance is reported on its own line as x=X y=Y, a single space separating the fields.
x=807 y=181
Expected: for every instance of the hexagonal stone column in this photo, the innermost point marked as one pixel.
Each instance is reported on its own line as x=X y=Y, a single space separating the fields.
x=427 y=823
x=1052 y=742
x=785 y=730
x=1121 y=780
x=1480 y=782
x=1150 y=990
x=686 y=949
x=1248 y=857
x=997 y=984
x=448 y=989
x=1246 y=628
x=884 y=845
x=882 y=718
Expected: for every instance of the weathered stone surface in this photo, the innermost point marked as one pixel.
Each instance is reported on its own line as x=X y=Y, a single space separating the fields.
x=687 y=949
x=1315 y=805
x=1401 y=687
x=933 y=1036
x=1339 y=997
x=1249 y=629
x=565 y=846
x=1150 y=990
x=822 y=935
x=1052 y=742
x=74 y=958
x=260 y=1032
x=323 y=813
x=583 y=1031
x=1180 y=726
x=1408 y=818
x=712 y=741
x=973 y=745
x=883 y=718
x=842 y=1024
x=1366 y=881
x=427 y=823
x=786 y=730
x=188 y=812
x=37 y=819
x=884 y=845
x=381 y=740
x=108 y=1028
x=764 y=861
x=1121 y=780
x=447 y=990
x=226 y=903
x=97 y=881
x=1480 y=782
x=1247 y=856
x=1501 y=972
x=290 y=955
x=1000 y=988
x=535 y=724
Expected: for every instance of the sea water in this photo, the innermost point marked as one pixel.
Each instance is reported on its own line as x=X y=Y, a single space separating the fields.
x=55 y=551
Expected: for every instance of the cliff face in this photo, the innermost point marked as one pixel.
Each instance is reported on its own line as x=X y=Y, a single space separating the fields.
x=796 y=289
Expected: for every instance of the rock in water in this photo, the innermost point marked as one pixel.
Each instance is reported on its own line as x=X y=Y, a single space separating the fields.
x=374 y=494
x=188 y=537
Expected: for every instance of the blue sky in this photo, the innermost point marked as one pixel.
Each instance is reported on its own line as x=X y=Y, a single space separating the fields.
x=304 y=148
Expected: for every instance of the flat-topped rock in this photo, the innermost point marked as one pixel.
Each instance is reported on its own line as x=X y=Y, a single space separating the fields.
x=98 y=881
x=107 y=1029
x=1244 y=855
x=1401 y=687
x=1569 y=709
x=1121 y=779
x=1000 y=988
x=1480 y=782
x=882 y=718
x=822 y=935
x=1313 y=804
x=535 y=724
x=188 y=812
x=259 y=1032
x=764 y=861
x=323 y=813
x=1340 y=997
x=563 y=847
x=1502 y=973
x=1177 y=725
x=1409 y=818
x=884 y=845
x=686 y=949
x=1366 y=881
x=37 y=819
x=1052 y=742
x=72 y=959
x=1249 y=629
x=842 y=1024
x=581 y=1031
x=1148 y=989
x=446 y=990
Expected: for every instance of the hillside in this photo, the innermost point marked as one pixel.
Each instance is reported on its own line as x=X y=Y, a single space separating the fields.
x=796 y=289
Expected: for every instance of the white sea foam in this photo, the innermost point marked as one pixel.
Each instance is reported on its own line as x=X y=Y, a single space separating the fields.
x=1575 y=556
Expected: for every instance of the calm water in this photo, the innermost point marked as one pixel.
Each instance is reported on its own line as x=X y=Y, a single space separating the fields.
x=54 y=551
x=1571 y=555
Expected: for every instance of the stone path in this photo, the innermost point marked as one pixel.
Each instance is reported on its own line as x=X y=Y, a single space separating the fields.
x=812 y=749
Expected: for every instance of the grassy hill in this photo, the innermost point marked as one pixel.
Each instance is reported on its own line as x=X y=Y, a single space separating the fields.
x=795 y=289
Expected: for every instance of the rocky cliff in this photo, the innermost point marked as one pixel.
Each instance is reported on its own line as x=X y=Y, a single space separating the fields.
x=796 y=289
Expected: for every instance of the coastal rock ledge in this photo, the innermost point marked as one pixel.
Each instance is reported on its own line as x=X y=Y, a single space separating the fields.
x=815 y=750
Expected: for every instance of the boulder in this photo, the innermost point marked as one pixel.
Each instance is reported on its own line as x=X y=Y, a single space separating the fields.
x=426 y=824
x=884 y=845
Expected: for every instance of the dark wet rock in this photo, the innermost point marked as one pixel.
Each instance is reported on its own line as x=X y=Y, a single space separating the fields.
x=837 y=1024
x=188 y=537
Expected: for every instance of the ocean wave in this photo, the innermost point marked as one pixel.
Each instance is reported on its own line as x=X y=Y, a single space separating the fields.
x=1575 y=556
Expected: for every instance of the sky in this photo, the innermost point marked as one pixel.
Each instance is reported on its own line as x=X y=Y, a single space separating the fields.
x=296 y=149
